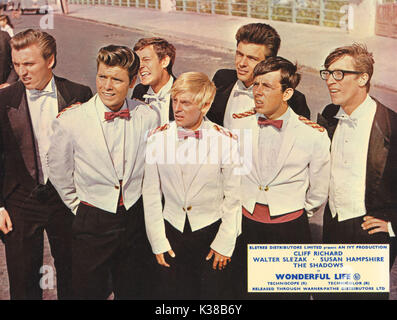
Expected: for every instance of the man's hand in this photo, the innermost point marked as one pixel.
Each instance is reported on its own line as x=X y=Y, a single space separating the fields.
x=5 y=221
x=4 y=85
x=161 y=259
x=220 y=261
x=378 y=225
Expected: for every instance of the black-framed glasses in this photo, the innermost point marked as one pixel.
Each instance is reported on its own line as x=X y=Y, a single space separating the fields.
x=336 y=74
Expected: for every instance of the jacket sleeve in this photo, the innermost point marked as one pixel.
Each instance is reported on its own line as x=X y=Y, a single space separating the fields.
x=61 y=165
x=319 y=174
x=151 y=193
x=230 y=227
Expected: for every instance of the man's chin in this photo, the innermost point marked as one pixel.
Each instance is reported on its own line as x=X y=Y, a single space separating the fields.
x=28 y=85
x=146 y=81
x=179 y=123
x=244 y=78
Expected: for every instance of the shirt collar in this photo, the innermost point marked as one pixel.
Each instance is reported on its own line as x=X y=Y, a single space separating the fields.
x=164 y=91
x=361 y=112
x=241 y=86
x=202 y=126
x=50 y=88
x=102 y=108
x=285 y=116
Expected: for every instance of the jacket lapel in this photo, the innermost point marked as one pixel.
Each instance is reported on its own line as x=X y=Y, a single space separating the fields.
x=22 y=128
x=208 y=135
x=218 y=108
x=286 y=145
x=65 y=99
x=329 y=122
x=171 y=111
x=97 y=141
x=170 y=143
x=378 y=148
x=255 y=148
x=132 y=138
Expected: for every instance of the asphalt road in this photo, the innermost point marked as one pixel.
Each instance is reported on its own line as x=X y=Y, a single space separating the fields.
x=78 y=42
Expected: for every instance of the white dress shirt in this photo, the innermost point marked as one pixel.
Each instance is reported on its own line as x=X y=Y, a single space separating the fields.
x=9 y=30
x=161 y=101
x=241 y=99
x=43 y=108
x=349 y=152
x=114 y=133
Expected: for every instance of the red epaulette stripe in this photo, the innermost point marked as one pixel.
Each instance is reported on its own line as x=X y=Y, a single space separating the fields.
x=158 y=129
x=67 y=108
x=225 y=132
x=243 y=114
x=314 y=125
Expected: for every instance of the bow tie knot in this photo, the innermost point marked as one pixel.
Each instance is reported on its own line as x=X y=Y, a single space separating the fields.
x=123 y=114
x=186 y=134
x=35 y=94
x=248 y=92
x=347 y=119
x=267 y=122
x=154 y=97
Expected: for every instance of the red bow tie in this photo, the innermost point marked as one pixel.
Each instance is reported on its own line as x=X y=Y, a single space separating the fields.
x=122 y=114
x=185 y=134
x=266 y=122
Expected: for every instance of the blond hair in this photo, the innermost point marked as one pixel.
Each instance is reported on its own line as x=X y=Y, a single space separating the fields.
x=199 y=85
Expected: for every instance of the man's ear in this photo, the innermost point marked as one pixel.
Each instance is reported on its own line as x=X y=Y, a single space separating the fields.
x=205 y=108
x=165 y=62
x=287 y=94
x=132 y=83
x=363 y=79
x=51 y=61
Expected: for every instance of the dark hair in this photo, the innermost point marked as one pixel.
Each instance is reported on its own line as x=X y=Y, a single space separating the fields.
x=161 y=47
x=7 y=19
x=120 y=56
x=43 y=40
x=363 y=60
x=289 y=76
x=260 y=33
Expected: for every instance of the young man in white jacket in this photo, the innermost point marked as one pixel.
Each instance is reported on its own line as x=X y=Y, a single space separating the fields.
x=96 y=163
x=192 y=163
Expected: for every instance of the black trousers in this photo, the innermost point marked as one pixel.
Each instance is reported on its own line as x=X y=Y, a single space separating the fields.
x=31 y=213
x=253 y=232
x=110 y=247
x=190 y=276
x=350 y=231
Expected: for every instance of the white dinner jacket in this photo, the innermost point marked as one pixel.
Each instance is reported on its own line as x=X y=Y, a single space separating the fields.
x=80 y=165
x=212 y=194
x=300 y=180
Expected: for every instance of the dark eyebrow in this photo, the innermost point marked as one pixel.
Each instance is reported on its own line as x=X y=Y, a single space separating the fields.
x=265 y=84
x=253 y=57
x=248 y=56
